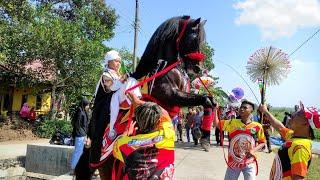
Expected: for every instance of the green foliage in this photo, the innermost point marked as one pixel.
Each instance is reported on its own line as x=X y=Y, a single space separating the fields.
x=316 y=134
x=219 y=95
x=278 y=112
x=48 y=128
x=313 y=171
x=66 y=36
x=209 y=52
x=126 y=57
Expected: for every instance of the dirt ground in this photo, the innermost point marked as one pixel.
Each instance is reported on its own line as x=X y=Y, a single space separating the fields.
x=16 y=131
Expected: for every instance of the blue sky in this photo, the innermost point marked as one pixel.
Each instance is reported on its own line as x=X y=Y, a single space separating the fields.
x=235 y=29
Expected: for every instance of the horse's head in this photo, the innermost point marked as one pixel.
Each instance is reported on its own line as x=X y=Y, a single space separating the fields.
x=177 y=36
x=189 y=45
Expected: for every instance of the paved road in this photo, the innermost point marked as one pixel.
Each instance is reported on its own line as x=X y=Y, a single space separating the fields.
x=195 y=164
x=191 y=162
x=13 y=149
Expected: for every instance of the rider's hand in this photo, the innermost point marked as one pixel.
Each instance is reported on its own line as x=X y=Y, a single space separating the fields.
x=134 y=99
x=129 y=131
x=124 y=78
x=112 y=134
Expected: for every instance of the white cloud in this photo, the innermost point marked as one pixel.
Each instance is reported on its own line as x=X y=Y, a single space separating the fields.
x=302 y=84
x=278 y=18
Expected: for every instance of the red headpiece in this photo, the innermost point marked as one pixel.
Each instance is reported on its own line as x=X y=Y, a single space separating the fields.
x=196 y=56
x=312 y=114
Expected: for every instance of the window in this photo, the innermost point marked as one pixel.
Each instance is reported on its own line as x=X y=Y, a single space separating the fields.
x=6 y=102
x=38 y=102
x=24 y=99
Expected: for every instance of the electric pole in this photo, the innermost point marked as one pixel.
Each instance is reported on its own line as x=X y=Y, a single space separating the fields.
x=136 y=26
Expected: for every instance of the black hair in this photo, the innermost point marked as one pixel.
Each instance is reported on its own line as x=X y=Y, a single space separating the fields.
x=250 y=103
x=84 y=102
x=147 y=117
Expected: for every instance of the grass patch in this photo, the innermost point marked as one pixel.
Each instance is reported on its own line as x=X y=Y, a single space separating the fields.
x=314 y=172
x=317 y=134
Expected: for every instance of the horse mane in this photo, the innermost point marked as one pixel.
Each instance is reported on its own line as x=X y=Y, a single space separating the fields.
x=165 y=34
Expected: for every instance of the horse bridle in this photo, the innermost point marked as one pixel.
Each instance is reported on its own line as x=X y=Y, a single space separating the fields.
x=195 y=56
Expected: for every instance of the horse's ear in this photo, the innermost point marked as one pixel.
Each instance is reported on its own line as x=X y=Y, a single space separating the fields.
x=203 y=23
x=185 y=17
x=196 y=22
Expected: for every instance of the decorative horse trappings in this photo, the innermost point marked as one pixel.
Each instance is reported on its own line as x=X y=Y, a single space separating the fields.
x=172 y=53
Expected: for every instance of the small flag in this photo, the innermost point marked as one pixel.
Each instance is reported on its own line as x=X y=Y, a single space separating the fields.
x=123 y=68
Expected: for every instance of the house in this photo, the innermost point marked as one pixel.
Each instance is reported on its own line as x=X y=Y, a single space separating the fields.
x=17 y=89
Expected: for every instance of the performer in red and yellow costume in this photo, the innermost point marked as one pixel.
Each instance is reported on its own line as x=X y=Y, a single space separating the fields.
x=149 y=153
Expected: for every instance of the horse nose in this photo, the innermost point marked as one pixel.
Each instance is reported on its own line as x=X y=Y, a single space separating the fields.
x=197 y=69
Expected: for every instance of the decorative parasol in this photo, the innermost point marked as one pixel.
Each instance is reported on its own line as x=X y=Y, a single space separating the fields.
x=207 y=81
x=268 y=66
x=204 y=81
x=235 y=95
x=238 y=92
x=232 y=98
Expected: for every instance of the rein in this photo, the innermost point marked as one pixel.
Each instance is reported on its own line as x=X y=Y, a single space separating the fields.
x=165 y=70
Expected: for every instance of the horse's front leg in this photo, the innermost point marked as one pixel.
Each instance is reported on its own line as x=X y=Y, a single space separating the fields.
x=189 y=99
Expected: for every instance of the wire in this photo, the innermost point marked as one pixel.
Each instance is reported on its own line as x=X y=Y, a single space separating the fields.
x=241 y=78
x=129 y=20
x=304 y=42
x=125 y=9
x=145 y=10
x=123 y=15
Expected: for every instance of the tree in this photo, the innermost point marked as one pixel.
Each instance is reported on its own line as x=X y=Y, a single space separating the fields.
x=65 y=35
x=218 y=93
x=126 y=57
x=209 y=52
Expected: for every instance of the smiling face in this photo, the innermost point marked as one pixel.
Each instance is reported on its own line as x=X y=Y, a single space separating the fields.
x=114 y=64
x=245 y=110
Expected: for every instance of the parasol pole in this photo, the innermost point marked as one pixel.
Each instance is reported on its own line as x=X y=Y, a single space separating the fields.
x=263 y=88
x=263 y=93
x=264 y=84
x=264 y=79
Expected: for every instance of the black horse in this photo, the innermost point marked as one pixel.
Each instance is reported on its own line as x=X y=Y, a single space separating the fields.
x=177 y=39
x=174 y=39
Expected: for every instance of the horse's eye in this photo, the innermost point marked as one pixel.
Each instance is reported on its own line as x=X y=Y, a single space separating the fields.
x=193 y=36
